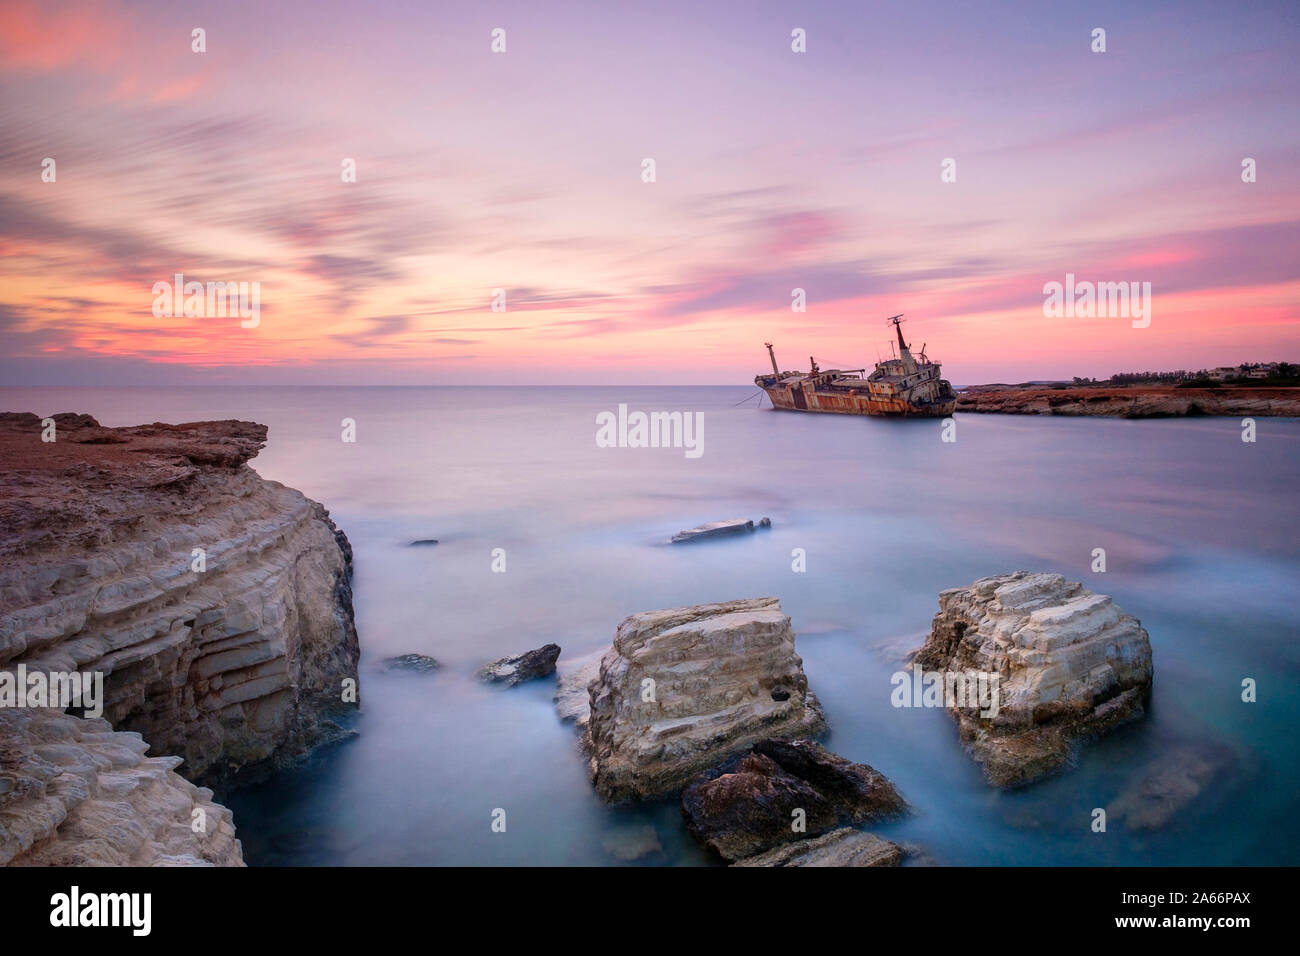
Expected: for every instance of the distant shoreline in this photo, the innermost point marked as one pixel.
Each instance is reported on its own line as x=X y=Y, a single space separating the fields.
x=1130 y=401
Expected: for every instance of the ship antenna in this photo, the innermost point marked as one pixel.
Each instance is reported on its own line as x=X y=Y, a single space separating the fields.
x=772 y=355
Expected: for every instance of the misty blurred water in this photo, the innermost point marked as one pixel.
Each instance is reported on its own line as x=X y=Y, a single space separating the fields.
x=1199 y=530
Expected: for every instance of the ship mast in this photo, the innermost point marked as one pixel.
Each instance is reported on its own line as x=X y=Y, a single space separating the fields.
x=897 y=320
x=772 y=355
x=909 y=364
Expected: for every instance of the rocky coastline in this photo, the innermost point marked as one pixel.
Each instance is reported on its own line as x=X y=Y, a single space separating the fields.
x=1130 y=401
x=217 y=606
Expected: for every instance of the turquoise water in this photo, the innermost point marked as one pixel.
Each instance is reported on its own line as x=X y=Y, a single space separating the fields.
x=1199 y=530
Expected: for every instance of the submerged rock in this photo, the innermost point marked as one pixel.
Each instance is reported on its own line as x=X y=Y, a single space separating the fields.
x=842 y=847
x=418 y=663
x=683 y=688
x=1167 y=786
x=718 y=529
x=632 y=843
x=750 y=803
x=1069 y=663
x=515 y=670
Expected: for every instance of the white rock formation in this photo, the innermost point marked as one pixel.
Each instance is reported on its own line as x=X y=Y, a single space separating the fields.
x=1070 y=664
x=683 y=688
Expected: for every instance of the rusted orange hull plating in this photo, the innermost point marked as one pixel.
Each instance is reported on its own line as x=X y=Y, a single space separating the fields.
x=854 y=403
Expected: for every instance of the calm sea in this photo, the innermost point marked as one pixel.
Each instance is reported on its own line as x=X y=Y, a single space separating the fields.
x=1199 y=529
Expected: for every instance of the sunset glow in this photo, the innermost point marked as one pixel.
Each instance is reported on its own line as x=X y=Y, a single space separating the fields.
x=522 y=171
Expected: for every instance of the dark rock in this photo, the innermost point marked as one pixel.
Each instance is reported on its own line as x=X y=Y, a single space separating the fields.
x=421 y=542
x=75 y=420
x=859 y=792
x=516 y=670
x=747 y=805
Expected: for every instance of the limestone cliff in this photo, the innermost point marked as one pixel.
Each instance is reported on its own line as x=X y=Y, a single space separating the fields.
x=216 y=604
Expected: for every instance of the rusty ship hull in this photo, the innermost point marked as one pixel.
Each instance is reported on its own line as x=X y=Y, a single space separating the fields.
x=905 y=386
x=852 y=401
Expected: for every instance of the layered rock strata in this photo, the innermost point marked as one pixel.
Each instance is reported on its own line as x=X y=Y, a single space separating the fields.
x=73 y=792
x=216 y=604
x=1069 y=663
x=683 y=688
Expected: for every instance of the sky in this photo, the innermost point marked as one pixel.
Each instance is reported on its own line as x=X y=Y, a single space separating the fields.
x=523 y=171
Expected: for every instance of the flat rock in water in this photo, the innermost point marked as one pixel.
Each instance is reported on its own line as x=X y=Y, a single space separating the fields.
x=515 y=670
x=422 y=542
x=718 y=529
x=746 y=806
x=842 y=847
x=418 y=663
x=1070 y=665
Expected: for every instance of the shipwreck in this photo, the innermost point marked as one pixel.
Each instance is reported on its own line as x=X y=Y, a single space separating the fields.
x=899 y=387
